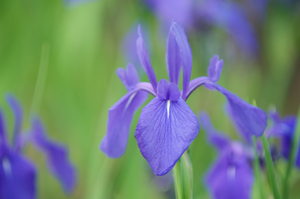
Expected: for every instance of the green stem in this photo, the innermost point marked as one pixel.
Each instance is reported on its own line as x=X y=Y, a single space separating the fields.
x=257 y=170
x=178 y=180
x=292 y=158
x=270 y=168
x=183 y=177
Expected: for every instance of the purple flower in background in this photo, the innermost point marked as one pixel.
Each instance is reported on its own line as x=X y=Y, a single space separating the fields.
x=284 y=129
x=230 y=16
x=17 y=173
x=181 y=11
x=167 y=125
x=231 y=176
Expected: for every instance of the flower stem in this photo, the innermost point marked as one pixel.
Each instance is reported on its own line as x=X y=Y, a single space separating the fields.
x=257 y=170
x=177 y=180
x=183 y=177
x=270 y=168
x=292 y=158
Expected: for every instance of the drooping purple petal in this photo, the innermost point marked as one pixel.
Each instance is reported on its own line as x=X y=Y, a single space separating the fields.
x=173 y=58
x=129 y=77
x=17 y=176
x=18 y=115
x=145 y=60
x=186 y=56
x=217 y=139
x=230 y=178
x=57 y=156
x=215 y=68
x=246 y=136
x=120 y=116
x=165 y=130
x=250 y=119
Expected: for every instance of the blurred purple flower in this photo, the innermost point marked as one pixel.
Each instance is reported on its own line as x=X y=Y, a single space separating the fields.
x=17 y=173
x=230 y=16
x=167 y=125
x=284 y=129
x=181 y=11
x=231 y=176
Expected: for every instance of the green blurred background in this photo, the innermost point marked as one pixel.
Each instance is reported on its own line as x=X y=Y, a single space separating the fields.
x=79 y=47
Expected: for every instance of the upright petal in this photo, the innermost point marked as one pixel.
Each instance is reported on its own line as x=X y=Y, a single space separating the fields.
x=250 y=119
x=215 y=68
x=229 y=179
x=168 y=91
x=186 y=56
x=57 y=156
x=217 y=139
x=120 y=116
x=129 y=77
x=17 y=176
x=18 y=114
x=165 y=130
x=145 y=61
x=173 y=58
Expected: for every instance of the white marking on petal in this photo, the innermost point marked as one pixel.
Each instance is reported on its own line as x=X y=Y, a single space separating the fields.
x=231 y=172
x=130 y=100
x=6 y=167
x=168 y=107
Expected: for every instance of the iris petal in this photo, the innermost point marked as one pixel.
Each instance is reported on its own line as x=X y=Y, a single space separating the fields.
x=230 y=180
x=57 y=156
x=186 y=56
x=173 y=58
x=250 y=119
x=215 y=68
x=17 y=176
x=118 y=124
x=129 y=77
x=145 y=61
x=165 y=130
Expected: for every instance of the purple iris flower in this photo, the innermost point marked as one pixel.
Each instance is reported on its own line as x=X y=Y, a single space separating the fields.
x=284 y=129
x=167 y=125
x=17 y=173
x=231 y=176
